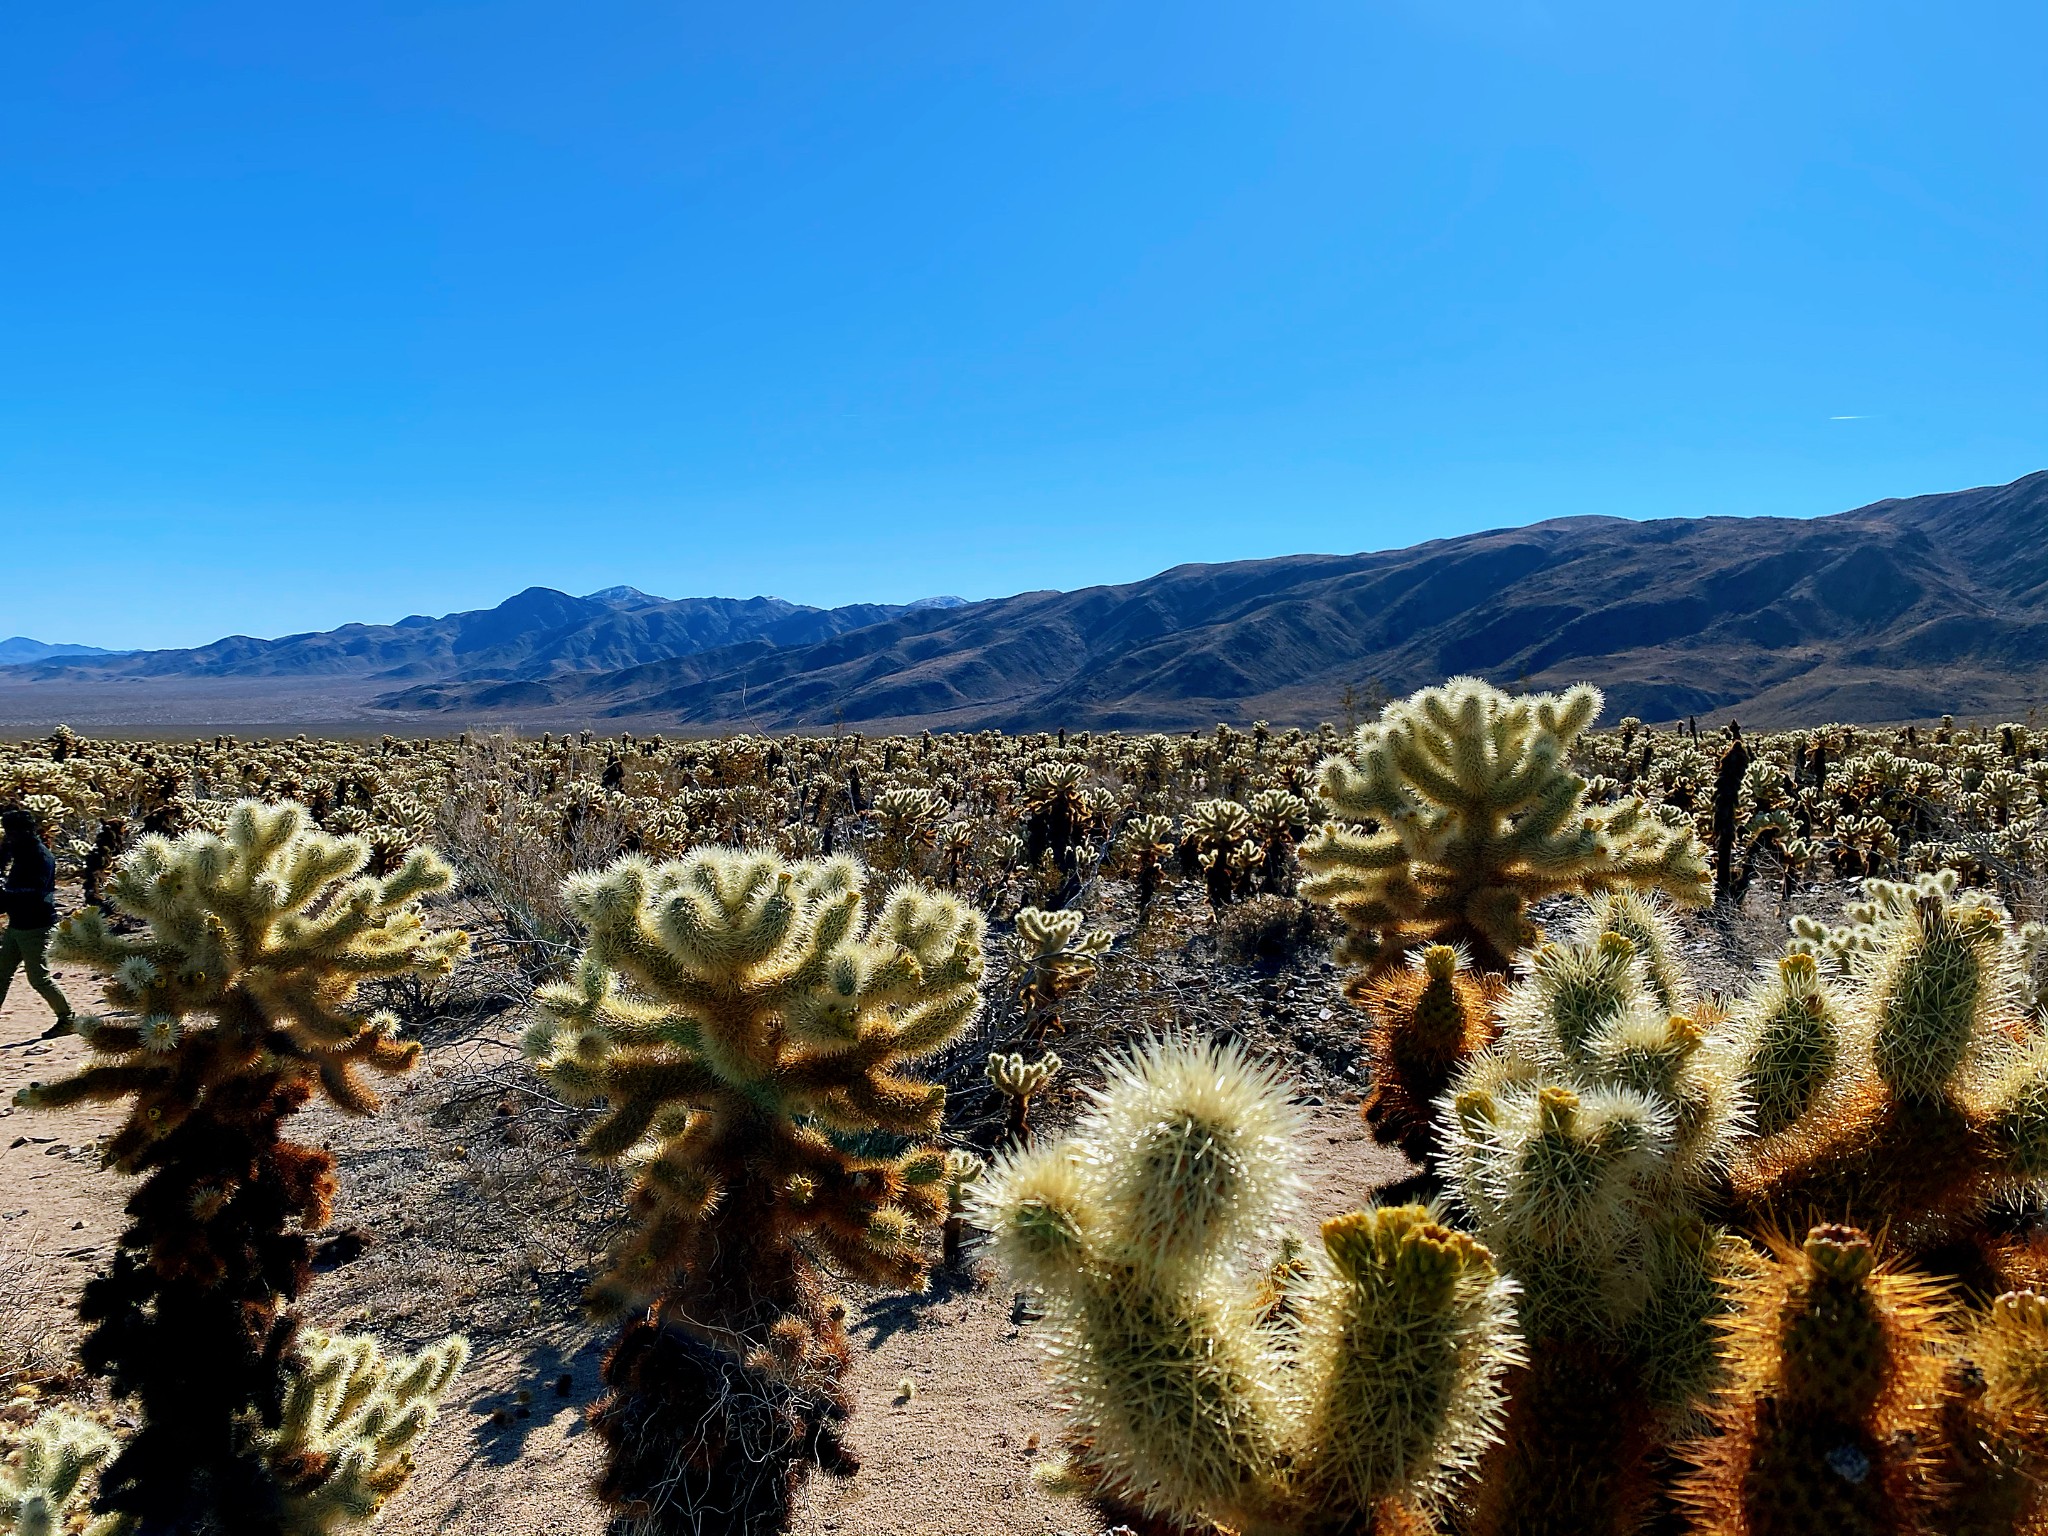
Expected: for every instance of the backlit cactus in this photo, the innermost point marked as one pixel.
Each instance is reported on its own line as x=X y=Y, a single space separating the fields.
x=1994 y=1477
x=1829 y=1423
x=1942 y=1109
x=244 y=975
x=1357 y=1405
x=748 y=1032
x=1458 y=809
x=1424 y=1021
x=1585 y=1146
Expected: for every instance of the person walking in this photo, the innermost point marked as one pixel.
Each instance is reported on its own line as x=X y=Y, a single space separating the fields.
x=31 y=896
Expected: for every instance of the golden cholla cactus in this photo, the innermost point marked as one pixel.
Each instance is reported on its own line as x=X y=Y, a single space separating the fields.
x=1055 y=960
x=254 y=946
x=350 y=1422
x=1424 y=1022
x=244 y=978
x=1994 y=1481
x=1459 y=808
x=750 y=1032
x=42 y=1476
x=1942 y=1107
x=1830 y=1423
x=1357 y=1405
x=1587 y=1145
x=1019 y=1082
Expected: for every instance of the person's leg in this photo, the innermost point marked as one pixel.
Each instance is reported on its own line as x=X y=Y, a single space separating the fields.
x=10 y=959
x=29 y=942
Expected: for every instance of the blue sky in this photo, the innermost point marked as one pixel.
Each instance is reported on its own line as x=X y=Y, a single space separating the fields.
x=310 y=314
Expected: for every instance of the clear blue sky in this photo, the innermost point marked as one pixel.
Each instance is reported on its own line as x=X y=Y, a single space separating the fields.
x=319 y=313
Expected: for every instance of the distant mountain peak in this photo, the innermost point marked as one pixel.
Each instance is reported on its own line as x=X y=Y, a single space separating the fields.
x=624 y=597
x=935 y=602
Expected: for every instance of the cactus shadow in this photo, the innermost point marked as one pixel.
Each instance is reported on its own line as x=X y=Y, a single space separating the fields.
x=504 y=1423
x=887 y=1316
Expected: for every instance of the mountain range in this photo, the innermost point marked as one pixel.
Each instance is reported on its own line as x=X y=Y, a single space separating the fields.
x=1903 y=609
x=22 y=649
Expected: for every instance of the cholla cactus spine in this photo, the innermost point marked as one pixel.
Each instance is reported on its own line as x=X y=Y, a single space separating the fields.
x=1829 y=1423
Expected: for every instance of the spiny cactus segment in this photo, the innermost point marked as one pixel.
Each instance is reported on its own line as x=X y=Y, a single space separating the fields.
x=1196 y=1399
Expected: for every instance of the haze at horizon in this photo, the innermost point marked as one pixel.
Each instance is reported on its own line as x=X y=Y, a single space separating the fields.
x=310 y=320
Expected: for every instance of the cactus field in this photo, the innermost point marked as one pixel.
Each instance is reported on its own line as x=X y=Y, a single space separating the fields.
x=1480 y=1118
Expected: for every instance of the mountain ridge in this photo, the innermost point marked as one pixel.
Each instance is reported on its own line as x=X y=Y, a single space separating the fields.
x=1902 y=609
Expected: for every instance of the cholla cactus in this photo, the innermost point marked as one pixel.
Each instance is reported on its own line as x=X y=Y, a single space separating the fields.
x=1458 y=809
x=344 y=1442
x=1357 y=1405
x=1586 y=1144
x=1220 y=832
x=1020 y=1081
x=1425 y=1021
x=1994 y=1480
x=907 y=826
x=746 y=1029
x=1829 y=1424
x=244 y=979
x=255 y=946
x=963 y=1171
x=1278 y=817
x=1055 y=960
x=1943 y=1107
x=43 y=1477
x=1147 y=847
x=1056 y=807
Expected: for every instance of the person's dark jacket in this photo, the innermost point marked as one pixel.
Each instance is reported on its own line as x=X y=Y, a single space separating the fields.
x=31 y=884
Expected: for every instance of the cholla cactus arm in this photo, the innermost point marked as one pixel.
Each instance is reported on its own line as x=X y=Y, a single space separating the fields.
x=1793 y=1043
x=356 y=1416
x=1130 y=1230
x=1829 y=1422
x=1425 y=1021
x=255 y=945
x=1407 y=1333
x=1457 y=810
x=1995 y=1417
x=1192 y=1393
x=43 y=1476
